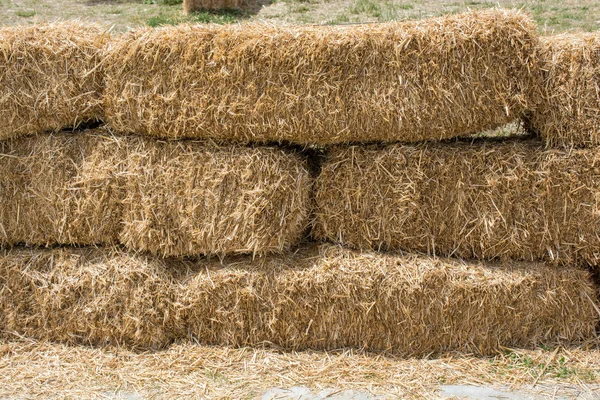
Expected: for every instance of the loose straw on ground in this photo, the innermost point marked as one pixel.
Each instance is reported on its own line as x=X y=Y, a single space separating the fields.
x=40 y=369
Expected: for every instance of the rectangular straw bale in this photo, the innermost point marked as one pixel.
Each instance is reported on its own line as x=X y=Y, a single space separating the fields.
x=88 y=296
x=189 y=198
x=318 y=297
x=400 y=81
x=481 y=200
x=178 y=198
x=569 y=111
x=61 y=188
x=50 y=77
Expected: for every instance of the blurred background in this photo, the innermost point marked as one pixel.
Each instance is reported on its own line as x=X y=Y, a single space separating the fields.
x=552 y=16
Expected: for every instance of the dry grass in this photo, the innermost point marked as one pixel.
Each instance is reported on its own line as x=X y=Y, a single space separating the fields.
x=183 y=198
x=62 y=188
x=569 y=111
x=319 y=297
x=50 y=77
x=406 y=81
x=39 y=369
x=485 y=200
x=189 y=198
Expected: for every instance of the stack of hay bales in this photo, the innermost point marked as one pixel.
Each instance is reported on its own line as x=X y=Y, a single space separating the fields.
x=487 y=199
x=199 y=157
x=317 y=297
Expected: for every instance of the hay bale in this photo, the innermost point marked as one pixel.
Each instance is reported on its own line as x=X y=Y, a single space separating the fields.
x=179 y=198
x=400 y=81
x=61 y=189
x=569 y=113
x=481 y=200
x=50 y=77
x=319 y=297
x=88 y=296
x=189 y=198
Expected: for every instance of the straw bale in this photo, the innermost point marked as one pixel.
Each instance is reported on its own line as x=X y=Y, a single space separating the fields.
x=318 y=297
x=87 y=296
x=484 y=200
x=189 y=198
x=61 y=188
x=49 y=77
x=569 y=113
x=178 y=198
x=333 y=298
x=399 y=81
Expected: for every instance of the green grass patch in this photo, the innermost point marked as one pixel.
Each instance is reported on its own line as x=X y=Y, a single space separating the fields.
x=557 y=368
x=160 y=20
x=296 y=1
x=163 y=2
x=369 y=7
x=383 y=11
x=202 y=17
x=217 y=17
x=480 y=4
x=393 y=11
x=340 y=19
x=301 y=9
x=25 y=13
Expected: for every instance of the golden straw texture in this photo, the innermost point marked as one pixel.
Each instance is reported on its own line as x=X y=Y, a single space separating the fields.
x=62 y=188
x=50 y=77
x=183 y=198
x=33 y=369
x=319 y=297
x=187 y=198
x=87 y=296
x=569 y=113
x=480 y=200
x=400 y=81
